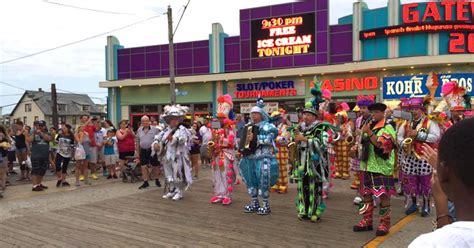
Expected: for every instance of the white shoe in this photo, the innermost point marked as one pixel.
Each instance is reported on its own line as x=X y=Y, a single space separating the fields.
x=169 y=195
x=177 y=197
x=357 y=200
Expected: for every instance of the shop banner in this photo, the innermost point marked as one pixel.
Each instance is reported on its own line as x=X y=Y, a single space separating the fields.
x=265 y=89
x=269 y=107
x=415 y=86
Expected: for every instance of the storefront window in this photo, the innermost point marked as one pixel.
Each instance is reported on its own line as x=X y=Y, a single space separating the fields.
x=136 y=109
x=151 y=109
x=201 y=107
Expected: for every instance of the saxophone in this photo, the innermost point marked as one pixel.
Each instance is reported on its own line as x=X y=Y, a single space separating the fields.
x=293 y=153
x=211 y=145
x=294 y=156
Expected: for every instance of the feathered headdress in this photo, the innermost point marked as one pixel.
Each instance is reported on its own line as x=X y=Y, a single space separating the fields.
x=365 y=101
x=313 y=105
x=224 y=106
x=341 y=110
x=453 y=98
x=175 y=111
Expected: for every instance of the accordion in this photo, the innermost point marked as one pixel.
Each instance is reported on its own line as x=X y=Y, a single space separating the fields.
x=248 y=141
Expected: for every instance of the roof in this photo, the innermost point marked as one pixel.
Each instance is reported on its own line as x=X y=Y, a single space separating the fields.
x=74 y=103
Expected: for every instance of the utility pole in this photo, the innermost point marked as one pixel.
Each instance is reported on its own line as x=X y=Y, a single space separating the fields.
x=54 y=100
x=171 y=56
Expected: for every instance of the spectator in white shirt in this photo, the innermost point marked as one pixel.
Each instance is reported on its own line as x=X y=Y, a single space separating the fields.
x=206 y=134
x=454 y=172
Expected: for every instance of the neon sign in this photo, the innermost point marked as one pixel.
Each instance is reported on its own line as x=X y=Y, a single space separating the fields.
x=349 y=84
x=454 y=17
x=283 y=36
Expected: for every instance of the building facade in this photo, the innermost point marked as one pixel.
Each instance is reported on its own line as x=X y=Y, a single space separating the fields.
x=37 y=105
x=283 y=49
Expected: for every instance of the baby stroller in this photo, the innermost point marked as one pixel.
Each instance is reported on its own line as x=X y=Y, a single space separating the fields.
x=131 y=171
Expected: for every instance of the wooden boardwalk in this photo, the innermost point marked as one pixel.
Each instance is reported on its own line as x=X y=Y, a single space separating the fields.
x=147 y=220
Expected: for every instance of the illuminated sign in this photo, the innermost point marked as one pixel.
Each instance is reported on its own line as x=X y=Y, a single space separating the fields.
x=411 y=14
x=415 y=86
x=281 y=36
x=415 y=28
x=454 y=17
x=349 y=84
x=285 y=88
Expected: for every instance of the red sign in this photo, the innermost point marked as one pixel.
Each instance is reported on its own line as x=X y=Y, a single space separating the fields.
x=433 y=10
x=458 y=42
x=349 y=84
x=265 y=93
x=415 y=28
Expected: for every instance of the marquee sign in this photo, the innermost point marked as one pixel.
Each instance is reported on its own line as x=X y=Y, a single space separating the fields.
x=279 y=36
x=415 y=86
x=454 y=17
x=284 y=88
x=350 y=84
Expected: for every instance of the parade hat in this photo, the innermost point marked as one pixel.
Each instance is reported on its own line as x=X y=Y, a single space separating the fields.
x=341 y=110
x=417 y=103
x=378 y=106
x=365 y=101
x=405 y=103
x=224 y=105
x=356 y=108
x=260 y=108
x=453 y=98
x=313 y=105
x=175 y=111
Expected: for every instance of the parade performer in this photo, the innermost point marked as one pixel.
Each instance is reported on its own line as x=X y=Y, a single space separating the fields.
x=312 y=138
x=258 y=166
x=416 y=172
x=222 y=153
x=345 y=139
x=329 y=118
x=172 y=146
x=363 y=102
x=376 y=164
x=279 y=120
x=455 y=100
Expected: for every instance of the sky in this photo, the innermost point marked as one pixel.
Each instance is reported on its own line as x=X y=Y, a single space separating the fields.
x=30 y=26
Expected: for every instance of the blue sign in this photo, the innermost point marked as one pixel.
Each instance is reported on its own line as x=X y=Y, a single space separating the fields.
x=181 y=93
x=415 y=86
x=464 y=80
x=404 y=87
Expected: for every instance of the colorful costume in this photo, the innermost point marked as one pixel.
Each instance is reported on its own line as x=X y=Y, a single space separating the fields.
x=362 y=101
x=376 y=167
x=222 y=152
x=279 y=119
x=312 y=169
x=259 y=169
x=329 y=119
x=174 y=153
x=342 y=146
x=416 y=172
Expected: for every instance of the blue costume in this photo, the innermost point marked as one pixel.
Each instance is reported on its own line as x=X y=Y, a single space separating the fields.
x=260 y=169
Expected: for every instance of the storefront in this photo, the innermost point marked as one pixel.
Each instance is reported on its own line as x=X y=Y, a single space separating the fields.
x=150 y=100
x=286 y=93
x=282 y=49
